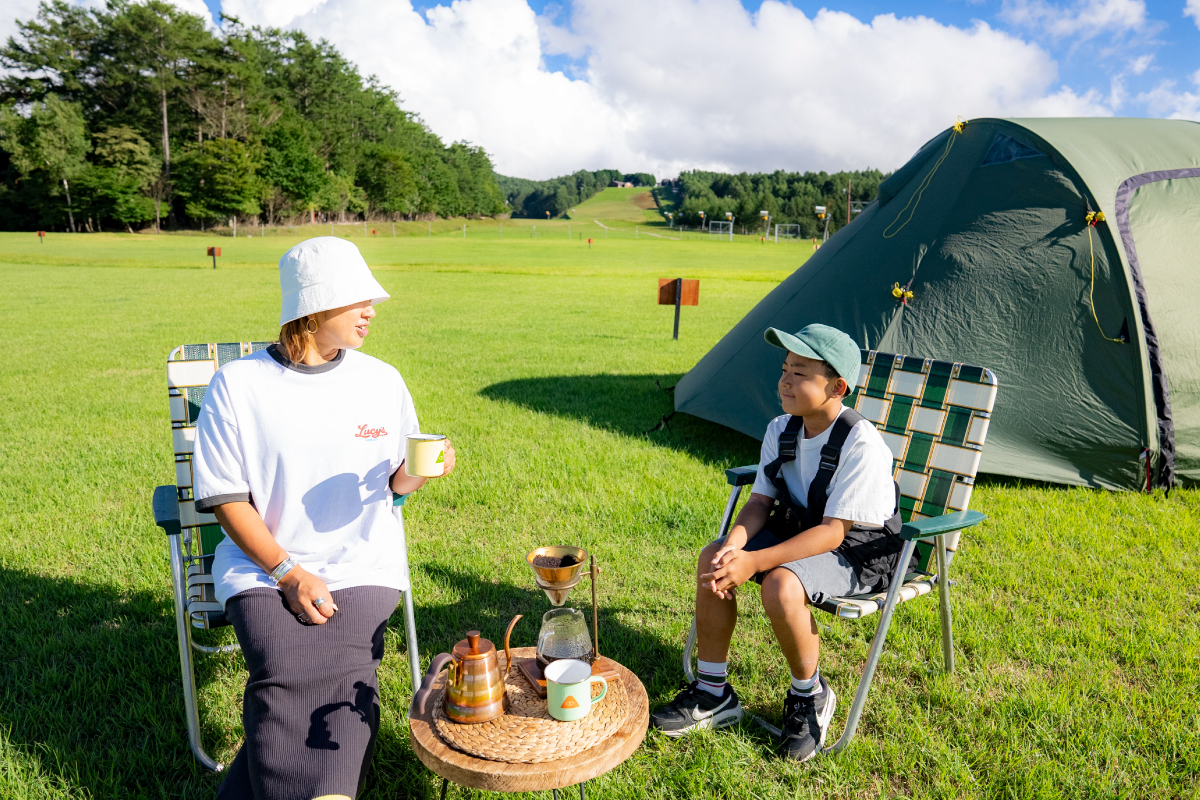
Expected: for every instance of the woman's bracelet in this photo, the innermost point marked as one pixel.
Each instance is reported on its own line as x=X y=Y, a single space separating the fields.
x=282 y=569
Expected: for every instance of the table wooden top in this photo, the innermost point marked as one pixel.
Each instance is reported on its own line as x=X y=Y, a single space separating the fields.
x=498 y=776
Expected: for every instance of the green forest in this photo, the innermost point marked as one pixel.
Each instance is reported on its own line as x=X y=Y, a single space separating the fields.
x=789 y=198
x=136 y=115
x=557 y=196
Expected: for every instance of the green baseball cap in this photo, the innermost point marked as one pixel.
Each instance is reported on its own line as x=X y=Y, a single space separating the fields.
x=824 y=344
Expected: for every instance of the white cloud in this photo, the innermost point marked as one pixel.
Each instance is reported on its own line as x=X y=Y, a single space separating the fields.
x=1192 y=9
x=273 y=13
x=1140 y=64
x=697 y=83
x=1083 y=20
x=1163 y=100
x=14 y=10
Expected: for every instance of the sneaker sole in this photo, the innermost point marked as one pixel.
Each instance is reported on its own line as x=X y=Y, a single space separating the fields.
x=722 y=719
x=823 y=721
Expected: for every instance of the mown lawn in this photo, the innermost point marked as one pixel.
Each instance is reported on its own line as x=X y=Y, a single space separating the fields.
x=1076 y=610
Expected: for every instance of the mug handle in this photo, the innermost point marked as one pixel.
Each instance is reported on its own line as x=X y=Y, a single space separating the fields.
x=602 y=694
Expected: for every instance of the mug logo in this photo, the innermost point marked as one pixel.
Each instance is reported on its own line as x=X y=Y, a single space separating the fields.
x=369 y=433
x=441 y=459
x=570 y=702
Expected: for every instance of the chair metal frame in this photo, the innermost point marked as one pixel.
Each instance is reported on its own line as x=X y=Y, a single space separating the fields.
x=191 y=568
x=876 y=382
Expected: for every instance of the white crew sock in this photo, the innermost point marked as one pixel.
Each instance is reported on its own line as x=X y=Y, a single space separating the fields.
x=810 y=686
x=711 y=676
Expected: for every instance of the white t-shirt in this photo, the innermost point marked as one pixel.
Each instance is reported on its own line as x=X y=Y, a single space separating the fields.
x=861 y=489
x=314 y=449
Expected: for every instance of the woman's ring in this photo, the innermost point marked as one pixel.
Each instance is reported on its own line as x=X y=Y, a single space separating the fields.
x=320 y=601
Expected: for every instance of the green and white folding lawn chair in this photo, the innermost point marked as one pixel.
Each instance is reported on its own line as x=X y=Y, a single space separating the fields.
x=192 y=537
x=934 y=417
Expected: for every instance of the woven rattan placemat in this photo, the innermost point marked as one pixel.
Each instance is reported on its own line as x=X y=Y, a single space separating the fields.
x=526 y=733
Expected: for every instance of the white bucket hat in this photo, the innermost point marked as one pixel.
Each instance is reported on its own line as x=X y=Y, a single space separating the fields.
x=324 y=273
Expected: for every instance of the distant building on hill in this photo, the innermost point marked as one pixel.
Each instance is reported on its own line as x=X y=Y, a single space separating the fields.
x=622 y=184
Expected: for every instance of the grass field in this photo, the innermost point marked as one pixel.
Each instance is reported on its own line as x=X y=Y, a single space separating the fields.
x=1076 y=611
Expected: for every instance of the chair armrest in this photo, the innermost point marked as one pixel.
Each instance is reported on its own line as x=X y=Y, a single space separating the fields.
x=936 y=526
x=398 y=499
x=741 y=476
x=166 y=509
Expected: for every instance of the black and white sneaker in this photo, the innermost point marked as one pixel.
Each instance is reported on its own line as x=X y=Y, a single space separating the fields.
x=806 y=720
x=694 y=708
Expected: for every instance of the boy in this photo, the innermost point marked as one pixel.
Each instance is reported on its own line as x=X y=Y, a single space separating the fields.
x=821 y=522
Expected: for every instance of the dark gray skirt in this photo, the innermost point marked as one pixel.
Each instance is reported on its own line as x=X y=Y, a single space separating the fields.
x=311 y=708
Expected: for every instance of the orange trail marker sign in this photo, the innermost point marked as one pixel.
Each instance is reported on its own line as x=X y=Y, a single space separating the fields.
x=678 y=292
x=214 y=252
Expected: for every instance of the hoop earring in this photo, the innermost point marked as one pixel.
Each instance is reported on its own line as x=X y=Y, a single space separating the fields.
x=311 y=325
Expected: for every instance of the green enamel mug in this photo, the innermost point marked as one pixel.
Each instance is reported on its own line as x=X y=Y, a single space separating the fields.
x=569 y=689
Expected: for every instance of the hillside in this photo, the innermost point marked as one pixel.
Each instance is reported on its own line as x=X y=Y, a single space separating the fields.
x=632 y=206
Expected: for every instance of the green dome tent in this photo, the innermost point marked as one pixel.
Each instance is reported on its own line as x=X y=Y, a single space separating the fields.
x=1092 y=328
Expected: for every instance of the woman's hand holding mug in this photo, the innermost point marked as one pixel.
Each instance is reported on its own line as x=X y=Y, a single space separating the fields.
x=307 y=596
x=448 y=466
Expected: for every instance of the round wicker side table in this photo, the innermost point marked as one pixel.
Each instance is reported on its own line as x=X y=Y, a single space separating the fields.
x=496 y=776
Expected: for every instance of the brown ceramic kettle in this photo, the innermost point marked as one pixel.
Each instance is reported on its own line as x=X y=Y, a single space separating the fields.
x=475 y=686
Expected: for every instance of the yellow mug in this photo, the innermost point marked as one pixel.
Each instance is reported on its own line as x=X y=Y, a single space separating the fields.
x=425 y=456
x=569 y=689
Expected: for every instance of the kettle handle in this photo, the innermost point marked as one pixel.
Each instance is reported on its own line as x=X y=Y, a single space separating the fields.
x=420 y=700
x=507 y=653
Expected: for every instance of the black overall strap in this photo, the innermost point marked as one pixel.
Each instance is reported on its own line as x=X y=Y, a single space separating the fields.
x=788 y=447
x=831 y=454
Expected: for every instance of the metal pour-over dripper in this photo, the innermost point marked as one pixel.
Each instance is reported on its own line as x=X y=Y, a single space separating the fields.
x=557 y=570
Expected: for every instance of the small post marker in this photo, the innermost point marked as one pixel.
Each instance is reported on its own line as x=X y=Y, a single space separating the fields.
x=214 y=252
x=678 y=292
x=589 y=244
x=42 y=237
x=373 y=232
x=393 y=230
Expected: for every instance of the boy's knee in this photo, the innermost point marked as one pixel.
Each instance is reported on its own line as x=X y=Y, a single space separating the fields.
x=704 y=560
x=781 y=591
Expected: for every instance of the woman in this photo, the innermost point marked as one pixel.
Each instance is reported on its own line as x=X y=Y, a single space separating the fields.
x=299 y=448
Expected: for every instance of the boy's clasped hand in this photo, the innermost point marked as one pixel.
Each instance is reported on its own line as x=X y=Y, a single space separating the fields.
x=732 y=566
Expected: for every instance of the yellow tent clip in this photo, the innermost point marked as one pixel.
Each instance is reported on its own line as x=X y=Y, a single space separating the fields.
x=901 y=294
x=959 y=125
x=1092 y=218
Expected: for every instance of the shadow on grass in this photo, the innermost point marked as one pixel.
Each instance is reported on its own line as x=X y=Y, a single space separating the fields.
x=631 y=405
x=90 y=686
x=90 y=690
x=487 y=605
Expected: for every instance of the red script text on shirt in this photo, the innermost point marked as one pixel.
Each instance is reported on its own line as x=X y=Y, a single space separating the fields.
x=369 y=433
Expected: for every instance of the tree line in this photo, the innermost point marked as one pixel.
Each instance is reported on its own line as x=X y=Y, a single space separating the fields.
x=789 y=197
x=532 y=199
x=136 y=113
